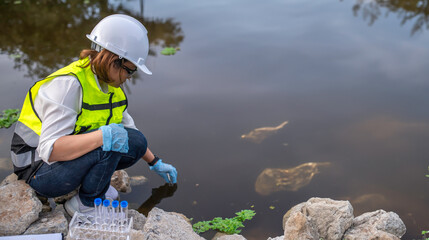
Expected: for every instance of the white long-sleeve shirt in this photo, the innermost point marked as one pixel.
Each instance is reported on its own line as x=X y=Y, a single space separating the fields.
x=58 y=103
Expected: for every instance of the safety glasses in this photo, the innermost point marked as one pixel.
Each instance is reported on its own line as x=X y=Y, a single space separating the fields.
x=129 y=71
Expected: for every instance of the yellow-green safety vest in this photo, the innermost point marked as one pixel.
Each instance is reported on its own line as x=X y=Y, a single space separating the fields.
x=98 y=109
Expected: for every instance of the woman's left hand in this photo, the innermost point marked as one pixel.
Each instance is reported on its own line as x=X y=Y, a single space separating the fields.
x=165 y=170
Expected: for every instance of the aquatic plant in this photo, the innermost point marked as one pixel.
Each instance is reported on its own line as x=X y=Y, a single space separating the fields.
x=8 y=117
x=169 y=51
x=227 y=225
x=424 y=235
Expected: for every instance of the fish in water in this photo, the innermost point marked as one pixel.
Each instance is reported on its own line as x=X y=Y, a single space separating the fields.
x=275 y=179
x=259 y=134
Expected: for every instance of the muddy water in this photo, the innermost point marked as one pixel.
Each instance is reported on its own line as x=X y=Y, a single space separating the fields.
x=264 y=106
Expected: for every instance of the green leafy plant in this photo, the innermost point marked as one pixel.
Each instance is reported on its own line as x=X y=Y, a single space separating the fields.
x=227 y=225
x=169 y=51
x=8 y=117
x=424 y=235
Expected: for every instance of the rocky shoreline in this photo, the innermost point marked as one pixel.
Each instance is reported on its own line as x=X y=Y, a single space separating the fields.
x=22 y=212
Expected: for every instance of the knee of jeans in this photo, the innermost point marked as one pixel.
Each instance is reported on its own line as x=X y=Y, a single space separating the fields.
x=137 y=141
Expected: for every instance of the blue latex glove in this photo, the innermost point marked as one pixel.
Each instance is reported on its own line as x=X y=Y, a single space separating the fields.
x=165 y=170
x=115 y=138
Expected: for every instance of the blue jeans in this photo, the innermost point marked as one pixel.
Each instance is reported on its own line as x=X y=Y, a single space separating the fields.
x=91 y=171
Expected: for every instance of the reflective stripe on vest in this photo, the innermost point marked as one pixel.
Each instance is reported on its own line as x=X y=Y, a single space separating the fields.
x=98 y=109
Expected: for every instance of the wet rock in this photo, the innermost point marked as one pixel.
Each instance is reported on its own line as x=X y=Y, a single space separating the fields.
x=258 y=135
x=9 y=179
x=318 y=218
x=52 y=222
x=121 y=181
x=164 y=225
x=376 y=225
x=23 y=208
x=224 y=236
x=139 y=219
x=272 y=180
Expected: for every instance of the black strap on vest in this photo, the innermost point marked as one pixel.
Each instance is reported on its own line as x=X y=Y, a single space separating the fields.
x=103 y=106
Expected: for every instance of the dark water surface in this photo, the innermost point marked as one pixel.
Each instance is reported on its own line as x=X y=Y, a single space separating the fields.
x=350 y=77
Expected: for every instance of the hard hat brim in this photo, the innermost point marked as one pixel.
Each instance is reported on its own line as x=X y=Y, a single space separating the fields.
x=144 y=69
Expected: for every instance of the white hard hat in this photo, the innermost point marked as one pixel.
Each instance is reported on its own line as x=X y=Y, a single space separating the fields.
x=124 y=36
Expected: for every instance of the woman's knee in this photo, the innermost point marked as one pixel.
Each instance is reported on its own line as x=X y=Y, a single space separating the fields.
x=137 y=141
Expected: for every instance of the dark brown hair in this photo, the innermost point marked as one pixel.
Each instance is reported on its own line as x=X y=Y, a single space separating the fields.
x=101 y=62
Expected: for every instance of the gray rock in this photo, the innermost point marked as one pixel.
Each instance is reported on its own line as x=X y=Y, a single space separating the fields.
x=23 y=208
x=165 y=226
x=376 y=225
x=298 y=227
x=136 y=235
x=224 y=236
x=52 y=222
x=9 y=179
x=121 y=181
x=61 y=208
x=277 y=238
x=318 y=218
x=139 y=219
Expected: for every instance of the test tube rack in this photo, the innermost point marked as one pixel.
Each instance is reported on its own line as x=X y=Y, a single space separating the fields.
x=85 y=227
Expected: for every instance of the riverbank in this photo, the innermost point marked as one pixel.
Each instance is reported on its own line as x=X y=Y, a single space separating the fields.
x=22 y=212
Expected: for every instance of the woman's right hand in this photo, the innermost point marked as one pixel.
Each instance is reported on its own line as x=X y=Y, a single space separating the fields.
x=115 y=138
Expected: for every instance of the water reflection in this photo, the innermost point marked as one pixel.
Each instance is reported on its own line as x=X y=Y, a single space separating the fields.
x=369 y=202
x=138 y=180
x=259 y=134
x=406 y=10
x=165 y=191
x=292 y=179
x=46 y=35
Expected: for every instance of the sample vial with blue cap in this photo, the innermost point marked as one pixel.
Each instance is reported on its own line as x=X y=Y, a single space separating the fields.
x=124 y=212
x=97 y=206
x=105 y=213
x=114 y=215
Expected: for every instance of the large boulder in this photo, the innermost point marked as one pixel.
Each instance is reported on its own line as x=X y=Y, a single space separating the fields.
x=318 y=218
x=168 y=226
x=51 y=222
x=20 y=207
x=376 y=225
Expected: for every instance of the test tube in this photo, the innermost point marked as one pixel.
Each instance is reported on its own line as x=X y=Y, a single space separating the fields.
x=105 y=212
x=124 y=212
x=97 y=206
x=114 y=213
x=97 y=212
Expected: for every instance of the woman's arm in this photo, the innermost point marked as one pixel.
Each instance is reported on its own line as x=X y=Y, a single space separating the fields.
x=148 y=156
x=70 y=147
x=57 y=105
